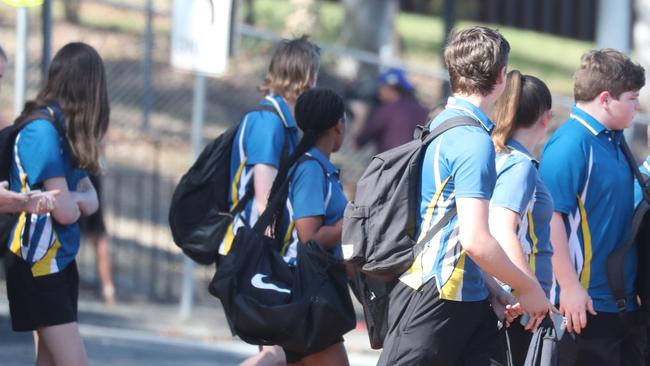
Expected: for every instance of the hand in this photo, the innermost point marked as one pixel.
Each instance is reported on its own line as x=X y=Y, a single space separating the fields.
x=534 y=302
x=574 y=304
x=41 y=202
x=505 y=307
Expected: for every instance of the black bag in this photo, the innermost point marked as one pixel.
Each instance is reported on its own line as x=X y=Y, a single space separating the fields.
x=639 y=237
x=7 y=141
x=380 y=224
x=373 y=295
x=199 y=214
x=304 y=310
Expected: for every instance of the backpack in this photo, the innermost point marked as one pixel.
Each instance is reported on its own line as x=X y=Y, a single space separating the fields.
x=640 y=236
x=7 y=141
x=199 y=214
x=379 y=226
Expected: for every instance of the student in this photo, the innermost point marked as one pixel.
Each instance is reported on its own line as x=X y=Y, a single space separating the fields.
x=260 y=142
x=592 y=188
x=42 y=277
x=392 y=123
x=521 y=206
x=316 y=199
x=438 y=312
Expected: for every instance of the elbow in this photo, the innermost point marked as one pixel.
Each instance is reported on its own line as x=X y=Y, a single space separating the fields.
x=68 y=217
x=473 y=243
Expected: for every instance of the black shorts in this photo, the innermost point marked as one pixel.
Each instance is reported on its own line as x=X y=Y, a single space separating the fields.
x=609 y=339
x=519 y=342
x=425 y=330
x=293 y=357
x=36 y=302
x=94 y=224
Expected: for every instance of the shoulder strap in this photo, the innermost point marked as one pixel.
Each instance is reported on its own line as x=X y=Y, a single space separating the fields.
x=616 y=260
x=39 y=115
x=443 y=127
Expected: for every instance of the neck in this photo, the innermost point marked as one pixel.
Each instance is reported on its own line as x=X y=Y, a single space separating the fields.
x=484 y=103
x=529 y=137
x=324 y=146
x=595 y=111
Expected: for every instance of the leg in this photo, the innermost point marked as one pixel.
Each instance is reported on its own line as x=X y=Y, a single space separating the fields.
x=64 y=343
x=634 y=346
x=598 y=344
x=104 y=268
x=43 y=355
x=484 y=346
x=334 y=355
x=268 y=356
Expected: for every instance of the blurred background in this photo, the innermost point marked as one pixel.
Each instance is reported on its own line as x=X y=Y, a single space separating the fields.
x=149 y=146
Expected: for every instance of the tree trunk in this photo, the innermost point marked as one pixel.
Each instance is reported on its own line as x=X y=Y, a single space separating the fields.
x=369 y=25
x=71 y=10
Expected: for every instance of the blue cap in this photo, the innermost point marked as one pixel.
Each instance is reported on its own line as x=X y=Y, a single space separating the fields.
x=396 y=77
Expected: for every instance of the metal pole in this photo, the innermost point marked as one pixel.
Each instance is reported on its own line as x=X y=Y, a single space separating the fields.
x=47 y=39
x=198 y=107
x=20 y=82
x=146 y=68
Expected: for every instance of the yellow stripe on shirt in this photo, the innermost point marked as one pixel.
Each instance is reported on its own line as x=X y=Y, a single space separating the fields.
x=585 y=124
x=44 y=266
x=585 y=274
x=533 y=238
x=451 y=289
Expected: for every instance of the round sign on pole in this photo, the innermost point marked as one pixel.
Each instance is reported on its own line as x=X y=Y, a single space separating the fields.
x=23 y=3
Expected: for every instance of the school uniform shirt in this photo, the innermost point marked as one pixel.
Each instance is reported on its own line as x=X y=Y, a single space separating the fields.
x=458 y=163
x=315 y=190
x=40 y=153
x=645 y=169
x=520 y=189
x=259 y=140
x=592 y=186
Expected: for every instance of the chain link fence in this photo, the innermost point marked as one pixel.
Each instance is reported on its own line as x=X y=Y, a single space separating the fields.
x=147 y=148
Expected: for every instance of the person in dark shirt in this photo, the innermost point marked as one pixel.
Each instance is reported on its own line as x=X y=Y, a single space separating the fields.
x=392 y=123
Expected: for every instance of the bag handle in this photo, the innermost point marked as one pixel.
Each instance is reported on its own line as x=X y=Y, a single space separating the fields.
x=616 y=260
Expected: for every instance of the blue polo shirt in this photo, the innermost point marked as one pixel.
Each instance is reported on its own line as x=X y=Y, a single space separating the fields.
x=520 y=189
x=259 y=140
x=458 y=163
x=592 y=186
x=645 y=169
x=40 y=154
x=315 y=190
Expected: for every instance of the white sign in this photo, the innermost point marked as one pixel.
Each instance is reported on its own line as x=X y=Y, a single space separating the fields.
x=201 y=35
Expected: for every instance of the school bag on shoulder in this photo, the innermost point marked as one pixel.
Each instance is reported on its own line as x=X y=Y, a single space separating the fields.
x=640 y=236
x=379 y=226
x=7 y=141
x=199 y=214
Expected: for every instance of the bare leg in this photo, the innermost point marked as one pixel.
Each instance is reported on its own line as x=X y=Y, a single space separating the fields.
x=64 y=344
x=333 y=355
x=43 y=355
x=104 y=267
x=268 y=356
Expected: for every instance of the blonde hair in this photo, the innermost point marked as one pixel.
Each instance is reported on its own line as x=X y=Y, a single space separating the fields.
x=293 y=67
x=523 y=101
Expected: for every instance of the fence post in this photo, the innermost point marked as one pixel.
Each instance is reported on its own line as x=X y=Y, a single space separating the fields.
x=146 y=67
x=20 y=81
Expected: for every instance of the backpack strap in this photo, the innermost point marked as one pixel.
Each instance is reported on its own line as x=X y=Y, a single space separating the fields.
x=445 y=126
x=615 y=268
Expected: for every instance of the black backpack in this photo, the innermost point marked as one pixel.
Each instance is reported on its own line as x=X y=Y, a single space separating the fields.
x=199 y=214
x=380 y=224
x=640 y=236
x=7 y=141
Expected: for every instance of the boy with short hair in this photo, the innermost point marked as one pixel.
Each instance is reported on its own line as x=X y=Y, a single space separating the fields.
x=438 y=311
x=592 y=188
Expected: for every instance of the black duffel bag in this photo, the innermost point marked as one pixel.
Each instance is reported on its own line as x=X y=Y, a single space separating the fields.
x=303 y=309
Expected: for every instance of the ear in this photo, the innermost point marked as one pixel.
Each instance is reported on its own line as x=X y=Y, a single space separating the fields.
x=603 y=99
x=339 y=128
x=502 y=75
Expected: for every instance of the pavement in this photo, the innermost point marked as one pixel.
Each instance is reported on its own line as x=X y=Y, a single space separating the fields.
x=144 y=333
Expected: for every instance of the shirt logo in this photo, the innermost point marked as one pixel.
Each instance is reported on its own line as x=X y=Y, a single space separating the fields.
x=257 y=282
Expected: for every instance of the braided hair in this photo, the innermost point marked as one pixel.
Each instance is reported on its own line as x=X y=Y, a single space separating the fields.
x=316 y=111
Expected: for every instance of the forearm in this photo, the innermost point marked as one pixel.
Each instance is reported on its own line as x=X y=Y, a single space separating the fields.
x=493 y=287
x=328 y=236
x=12 y=202
x=86 y=201
x=512 y=247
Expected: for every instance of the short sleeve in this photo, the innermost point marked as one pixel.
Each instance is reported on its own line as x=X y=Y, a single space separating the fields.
x=563 y=169
x=39 y=150
x=472 y=164
x=308 y=190
x=264 y=139
x=515 y=186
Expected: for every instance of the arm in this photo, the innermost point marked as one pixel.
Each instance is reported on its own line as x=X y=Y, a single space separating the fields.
x=486 y=252
x=263 y=176
x=34 y=202
x=505 y=305
x=503 y=226
x=312 y=228
x=574 y=299
x=86 y=197
x=67 y=210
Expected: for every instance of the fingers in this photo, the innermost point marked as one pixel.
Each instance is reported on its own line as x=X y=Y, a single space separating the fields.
x=4 y=184
x=590 y=307
x=538 y=321
x=569 y=324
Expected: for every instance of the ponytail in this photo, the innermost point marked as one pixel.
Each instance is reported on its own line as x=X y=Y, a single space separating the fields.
x=505 y=111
